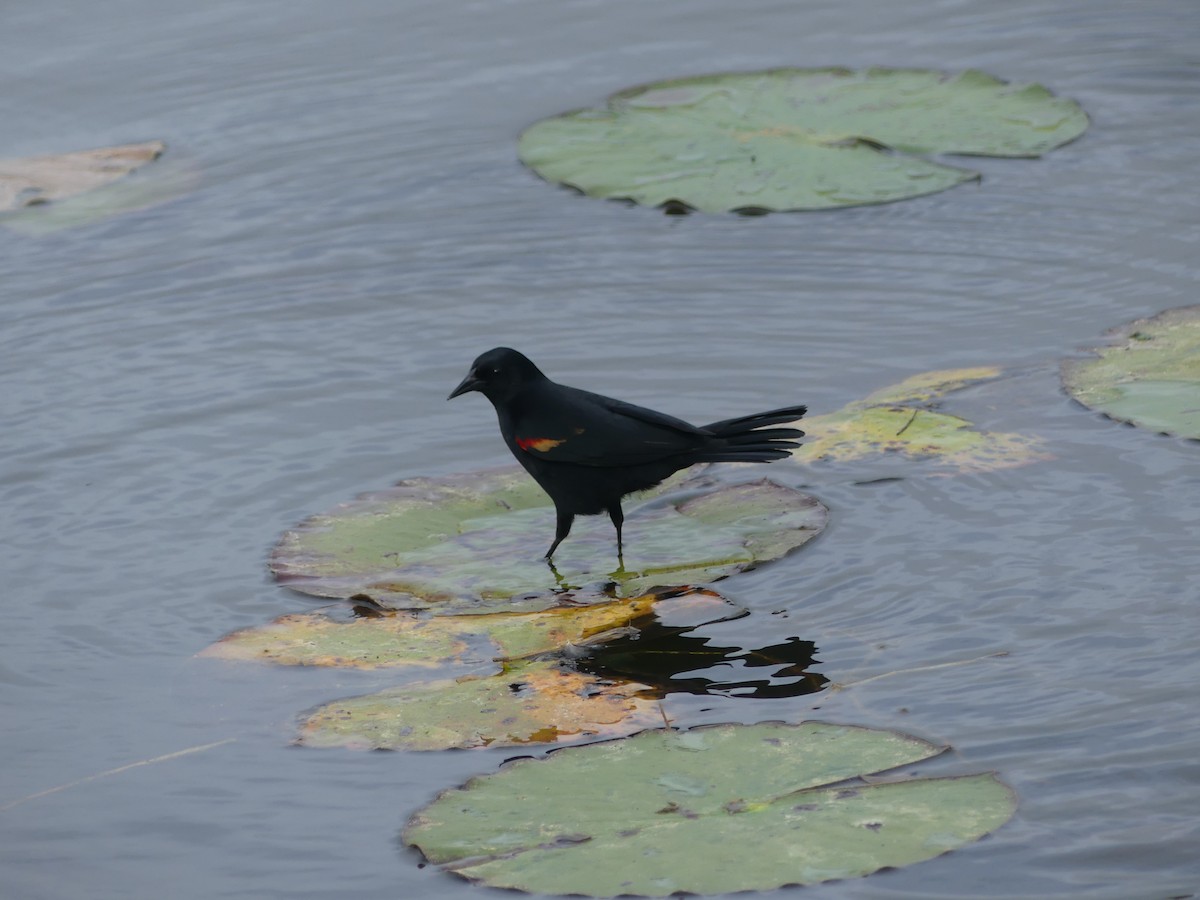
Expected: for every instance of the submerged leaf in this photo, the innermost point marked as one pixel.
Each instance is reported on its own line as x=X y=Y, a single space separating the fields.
x=667 y=812
x=530 y=702
x=895 y=420
x=1150 y=378
x=785 y=139
x=472 y=543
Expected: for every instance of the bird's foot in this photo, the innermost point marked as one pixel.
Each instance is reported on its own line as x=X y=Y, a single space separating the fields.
x=554 y=571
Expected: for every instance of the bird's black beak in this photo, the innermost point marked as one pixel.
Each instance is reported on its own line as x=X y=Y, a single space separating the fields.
x=470 y=383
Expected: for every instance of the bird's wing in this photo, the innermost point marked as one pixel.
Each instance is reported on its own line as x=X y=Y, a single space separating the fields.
x=574 y=426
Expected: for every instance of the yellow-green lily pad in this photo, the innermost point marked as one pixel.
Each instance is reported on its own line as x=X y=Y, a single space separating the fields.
x=533 y=702
x=410 y=639
x=793 y=139
x=901 y=419
x=709 y=810
x=469 y=544
x=1150 y=377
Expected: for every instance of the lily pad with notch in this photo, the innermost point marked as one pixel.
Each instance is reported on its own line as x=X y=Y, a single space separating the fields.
x=794 y=138
x=709 y=810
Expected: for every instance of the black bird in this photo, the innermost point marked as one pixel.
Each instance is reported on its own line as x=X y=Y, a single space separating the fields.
x=589 y=451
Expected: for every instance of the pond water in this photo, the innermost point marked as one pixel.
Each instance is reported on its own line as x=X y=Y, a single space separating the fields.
x=182 y=384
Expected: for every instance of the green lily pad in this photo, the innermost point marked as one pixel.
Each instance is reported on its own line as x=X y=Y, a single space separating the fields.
x=899 y=419
x=470 y=544
x=420 y=640
x=529 y=703
x=791 y=139
x=709 y=810
x=1150 y=378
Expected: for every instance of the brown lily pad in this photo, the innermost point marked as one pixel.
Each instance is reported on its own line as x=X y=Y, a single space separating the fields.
x=40 y=179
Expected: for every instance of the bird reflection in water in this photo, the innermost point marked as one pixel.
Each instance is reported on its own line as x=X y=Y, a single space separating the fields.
x=666 y=658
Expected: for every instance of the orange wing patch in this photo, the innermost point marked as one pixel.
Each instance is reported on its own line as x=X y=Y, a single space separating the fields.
x=542 y=445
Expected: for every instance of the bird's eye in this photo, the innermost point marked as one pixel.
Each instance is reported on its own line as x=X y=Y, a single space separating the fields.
x=494 y=372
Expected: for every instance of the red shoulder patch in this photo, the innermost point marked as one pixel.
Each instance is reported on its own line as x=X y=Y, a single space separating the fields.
x=541 y=445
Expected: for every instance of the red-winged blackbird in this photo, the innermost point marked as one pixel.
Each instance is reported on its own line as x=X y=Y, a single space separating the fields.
x=589 y=451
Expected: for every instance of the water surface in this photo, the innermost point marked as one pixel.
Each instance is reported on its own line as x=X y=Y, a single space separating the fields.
x=182 y=384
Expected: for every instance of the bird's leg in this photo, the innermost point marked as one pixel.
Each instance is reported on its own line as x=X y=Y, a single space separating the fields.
x=564 y=528
x=618 y=519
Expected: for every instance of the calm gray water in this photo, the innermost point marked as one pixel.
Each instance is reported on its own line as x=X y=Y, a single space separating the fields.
x=180 y=385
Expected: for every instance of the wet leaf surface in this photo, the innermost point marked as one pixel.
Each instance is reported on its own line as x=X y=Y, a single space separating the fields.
x=791 y=139
x=531 y=702
x=1150 y=377
x=470 y=544
x=402 y=639
x=670 y=811
x=902 y=419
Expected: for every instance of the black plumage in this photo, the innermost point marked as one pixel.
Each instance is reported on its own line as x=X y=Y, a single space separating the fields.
x=588 y=451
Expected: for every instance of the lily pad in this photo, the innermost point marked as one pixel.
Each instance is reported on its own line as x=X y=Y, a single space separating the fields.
x=42 y=195
x=421 y=640
x=41 y=179
x=709 y=810
x=1149 y=378
x=792 y=139
x=900 y=419
x=529 y=703
x=470 y=544
x=926 y=387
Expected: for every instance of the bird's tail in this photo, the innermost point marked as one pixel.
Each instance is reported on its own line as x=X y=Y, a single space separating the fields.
x=748 y=439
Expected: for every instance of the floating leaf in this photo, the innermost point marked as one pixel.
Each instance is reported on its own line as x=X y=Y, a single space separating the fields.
x=891 y=420
x=41 y=195
x=407 y=639
x=40 y=179
x=709 y=810
x=794 y=139
x=927 y=386
x=314 y=639
x=531 y=702
x=473 y=543
x=1151 y=378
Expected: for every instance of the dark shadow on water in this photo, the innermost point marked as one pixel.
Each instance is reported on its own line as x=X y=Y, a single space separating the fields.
x=665 y=658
